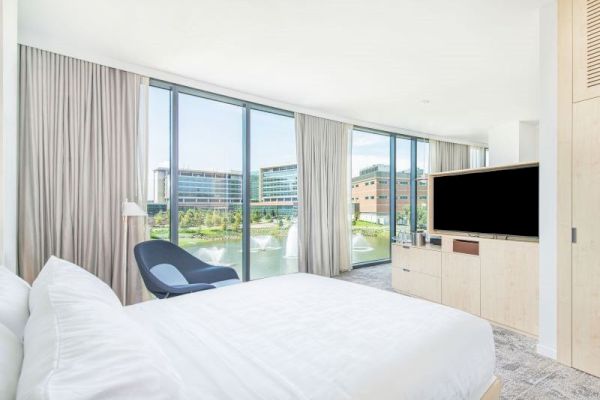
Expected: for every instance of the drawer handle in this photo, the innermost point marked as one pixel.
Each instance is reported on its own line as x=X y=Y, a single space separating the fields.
x=405 y=269
x=405 y=247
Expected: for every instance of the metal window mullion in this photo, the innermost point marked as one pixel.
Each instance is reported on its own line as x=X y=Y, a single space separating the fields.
x=246 y=181
x=392 y=187
x=174 y=167
x=413 y=185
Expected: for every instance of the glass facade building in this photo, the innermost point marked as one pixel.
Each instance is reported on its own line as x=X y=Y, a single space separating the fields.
x=201 y=189
x=279 y=183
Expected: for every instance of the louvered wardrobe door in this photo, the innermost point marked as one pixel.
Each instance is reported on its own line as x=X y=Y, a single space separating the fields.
x=586 y=49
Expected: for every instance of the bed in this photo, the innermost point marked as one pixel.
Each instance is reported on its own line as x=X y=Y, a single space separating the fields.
x=297 y=336
x=302 y=336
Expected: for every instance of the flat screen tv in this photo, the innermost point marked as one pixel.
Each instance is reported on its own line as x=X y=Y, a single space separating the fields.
x=503 y=202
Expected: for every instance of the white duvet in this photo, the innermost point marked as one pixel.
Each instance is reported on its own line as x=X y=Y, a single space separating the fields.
x=306 y=337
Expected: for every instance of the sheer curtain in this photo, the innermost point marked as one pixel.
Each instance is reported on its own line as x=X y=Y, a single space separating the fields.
x=323 y=190
x=82 y=152
x=447 y=156
x=476 y=157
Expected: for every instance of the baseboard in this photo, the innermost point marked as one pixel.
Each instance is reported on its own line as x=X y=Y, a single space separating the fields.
x=546 y=351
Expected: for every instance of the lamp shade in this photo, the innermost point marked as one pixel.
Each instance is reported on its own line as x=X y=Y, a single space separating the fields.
x=131 y=209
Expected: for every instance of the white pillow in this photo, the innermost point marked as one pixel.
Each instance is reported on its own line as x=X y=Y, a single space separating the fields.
x=81 y=345
x=14 y=295
x=81 y=282
x=11 y=357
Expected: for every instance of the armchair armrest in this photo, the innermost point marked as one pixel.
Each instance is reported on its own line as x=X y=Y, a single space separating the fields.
x=211 y=273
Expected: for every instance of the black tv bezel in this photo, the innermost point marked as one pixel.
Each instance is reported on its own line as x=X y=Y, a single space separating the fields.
x=483 y=170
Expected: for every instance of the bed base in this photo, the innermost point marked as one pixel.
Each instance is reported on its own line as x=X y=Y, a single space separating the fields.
x=493 y=392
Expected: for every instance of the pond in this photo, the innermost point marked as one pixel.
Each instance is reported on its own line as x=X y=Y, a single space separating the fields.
x=276 y=255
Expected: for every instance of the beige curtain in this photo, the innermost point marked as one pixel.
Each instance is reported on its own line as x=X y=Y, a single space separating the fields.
x=476 y=157
x=446 y=156
x=323 y=191
x=82 y=149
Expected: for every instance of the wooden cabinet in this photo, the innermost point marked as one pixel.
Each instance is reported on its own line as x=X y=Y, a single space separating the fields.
x=417 y=271
x=417 y=284
x=586 y=49
x=425 y=260
x=586 y=251
x=500 y=284
x=578 y=185
x=509 y=283
x=461 y=282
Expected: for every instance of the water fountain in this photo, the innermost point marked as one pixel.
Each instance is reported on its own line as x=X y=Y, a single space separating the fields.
x=212 y=255
x=360 y=244
x=262 y=243
x=291 y=244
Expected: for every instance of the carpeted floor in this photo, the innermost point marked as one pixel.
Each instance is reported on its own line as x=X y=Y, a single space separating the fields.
x=524 y=373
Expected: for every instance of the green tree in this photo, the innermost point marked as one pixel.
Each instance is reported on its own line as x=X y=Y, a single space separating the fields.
x=237 y=221
x=159 y=218
x=422 y=217
x=208 y=219
x=184 y=219
x=217 y=219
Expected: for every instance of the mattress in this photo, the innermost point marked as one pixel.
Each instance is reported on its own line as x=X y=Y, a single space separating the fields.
x=302 y=336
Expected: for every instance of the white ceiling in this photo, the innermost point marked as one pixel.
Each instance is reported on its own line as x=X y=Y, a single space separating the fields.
x=475 y=61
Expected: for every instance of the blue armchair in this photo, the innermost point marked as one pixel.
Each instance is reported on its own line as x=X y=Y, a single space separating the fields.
x=168 y=270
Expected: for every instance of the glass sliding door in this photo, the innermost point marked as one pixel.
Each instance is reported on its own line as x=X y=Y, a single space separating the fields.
x=422 y=169
x=370 y=197
x=209 y=181
x=159 y=157
x=273 y=194
x=403 y=197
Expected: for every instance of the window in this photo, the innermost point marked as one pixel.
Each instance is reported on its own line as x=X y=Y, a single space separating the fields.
x=159 y=128
x=370 y=221
x=403 y=188
x=422 y=172
x=211 y=182
x=274 y=200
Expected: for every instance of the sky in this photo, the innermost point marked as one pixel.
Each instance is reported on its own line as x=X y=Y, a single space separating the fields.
x=210 y=135
x=210 y=138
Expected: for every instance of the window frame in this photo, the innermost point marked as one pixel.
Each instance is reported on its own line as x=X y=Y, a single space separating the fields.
x=247 y=107
x=413 y=198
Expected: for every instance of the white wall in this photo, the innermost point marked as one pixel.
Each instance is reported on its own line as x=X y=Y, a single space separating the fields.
x=548 y=181
x=8 y=133
x=514 y=141
x=529 y=141
x=503 y=142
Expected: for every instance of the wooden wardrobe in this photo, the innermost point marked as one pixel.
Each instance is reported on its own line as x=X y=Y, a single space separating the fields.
x=579 y=184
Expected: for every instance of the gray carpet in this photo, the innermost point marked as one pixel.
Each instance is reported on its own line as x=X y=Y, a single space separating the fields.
x=524 y=373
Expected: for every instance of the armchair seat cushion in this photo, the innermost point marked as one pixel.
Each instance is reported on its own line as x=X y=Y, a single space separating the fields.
x=169 y=274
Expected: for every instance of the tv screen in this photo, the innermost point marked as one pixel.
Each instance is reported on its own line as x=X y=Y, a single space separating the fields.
x=497 y=202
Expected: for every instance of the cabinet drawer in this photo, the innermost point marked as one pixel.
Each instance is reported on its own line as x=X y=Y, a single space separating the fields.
x=425 y=261
x=417 y=284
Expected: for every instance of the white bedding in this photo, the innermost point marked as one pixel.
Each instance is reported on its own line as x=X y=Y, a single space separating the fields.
x=305 y=337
